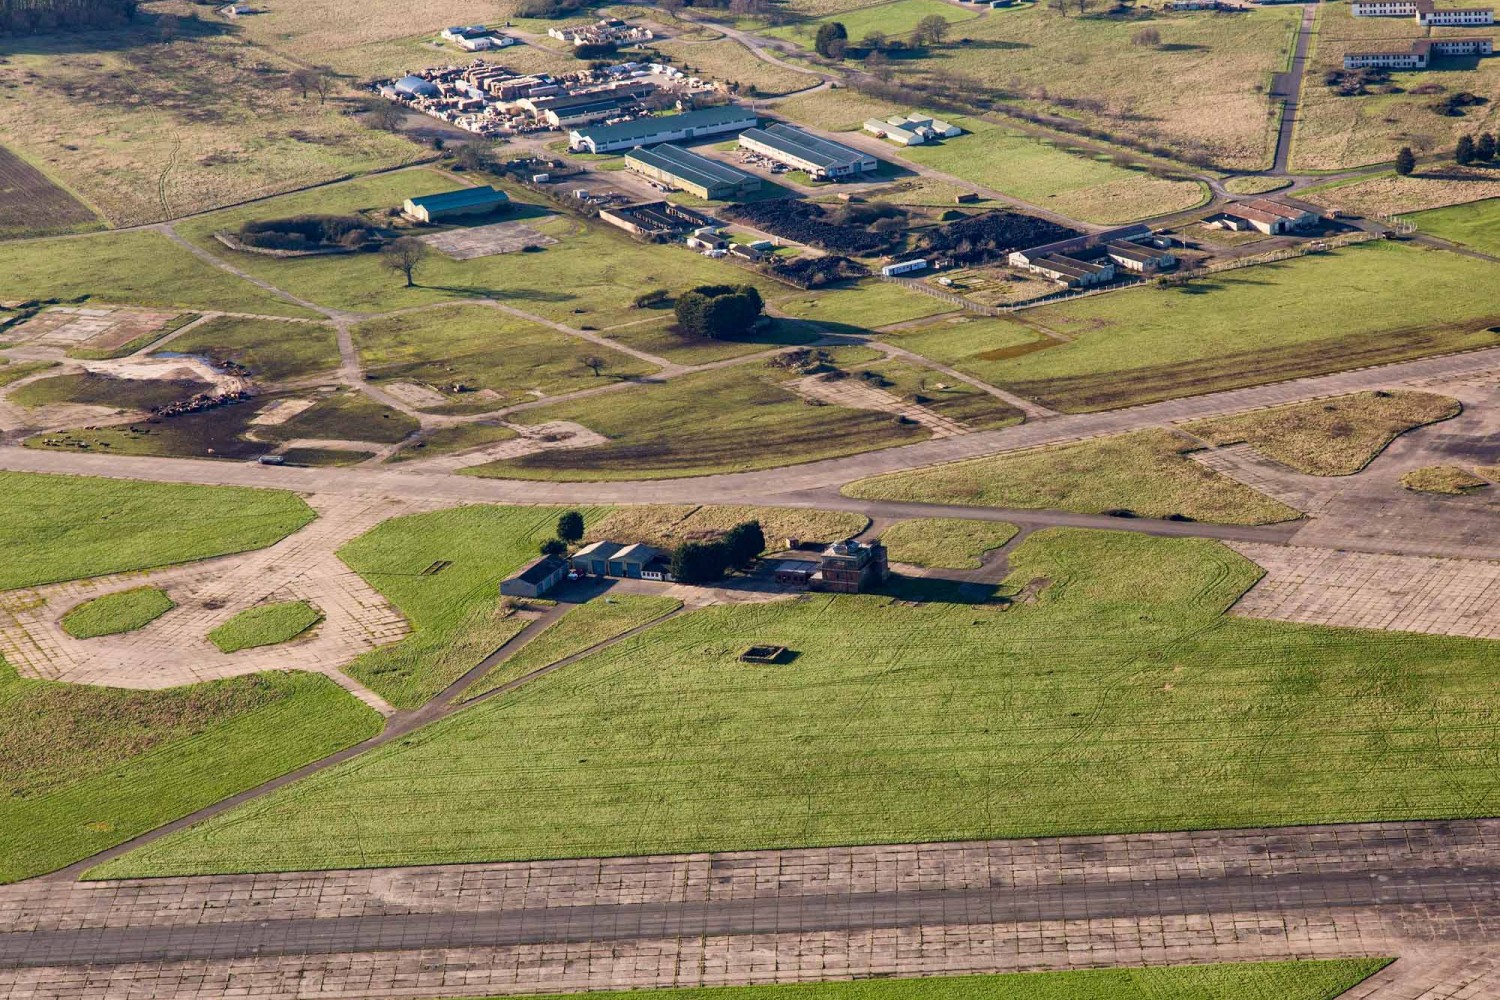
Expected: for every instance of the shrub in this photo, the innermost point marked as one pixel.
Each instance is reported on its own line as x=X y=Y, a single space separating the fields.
x=652 y=298
x=307 y=232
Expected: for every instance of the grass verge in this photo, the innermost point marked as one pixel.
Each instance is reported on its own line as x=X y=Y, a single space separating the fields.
x=1444 y=480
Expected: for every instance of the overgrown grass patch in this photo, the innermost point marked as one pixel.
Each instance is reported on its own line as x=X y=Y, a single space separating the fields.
x=1145 y=472
x=442 y=570
x=666 y=525
x=58 y=528
x=946 y=542
x=1329 y=437
x=112 y=614
x=265 y=625
x=1118 y=696
x=1444 y=480
x=1072 y=182
x=138 y=268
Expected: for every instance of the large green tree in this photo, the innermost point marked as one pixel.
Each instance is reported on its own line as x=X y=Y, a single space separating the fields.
x=717 y=312
x=830 y=41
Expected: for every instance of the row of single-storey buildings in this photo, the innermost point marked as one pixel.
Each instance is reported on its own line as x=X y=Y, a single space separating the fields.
x=1263 y=215
x=1097 y=258
x=911 y=130
x=1424 y=12
x=1419 y=54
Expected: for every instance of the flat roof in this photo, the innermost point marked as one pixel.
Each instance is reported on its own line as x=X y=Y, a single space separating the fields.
x=1132 y=232
x=690 y=166
x=644 y=128
x=462 y=198
x=804 y=145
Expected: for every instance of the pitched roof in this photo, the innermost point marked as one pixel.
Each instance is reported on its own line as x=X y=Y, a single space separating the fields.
x=689 y=166
x=541 y=570
x=462 y=198
x=804 y=145
x=598 y=550
x=644 y=128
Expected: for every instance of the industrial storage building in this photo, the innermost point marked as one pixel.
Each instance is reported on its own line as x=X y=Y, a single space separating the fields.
x=449 y=204
x=684 y=170
x=665 y=128
x=536 y=579
x=822 y=158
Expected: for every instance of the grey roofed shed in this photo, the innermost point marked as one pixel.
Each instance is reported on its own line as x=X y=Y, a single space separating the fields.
x=540 y=576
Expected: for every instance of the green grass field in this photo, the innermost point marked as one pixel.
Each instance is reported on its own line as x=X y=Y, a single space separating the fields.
x=587 y=625
x=894 y=18
x=946 y=542
x=1248 y=981
x=57 y=528
x=861 y=306
x=1145 y=472
x=730 y=420
x=112 y=614
x=1367 y=304
x=266 y=625
x=454 y=437
x=1113 y=695
x=82 y=767
x=590 y=277
x=140 y=268
x=442 y=571
x=1079 y=185
x=1475 y=225
x=483 y=349
x=272 y=351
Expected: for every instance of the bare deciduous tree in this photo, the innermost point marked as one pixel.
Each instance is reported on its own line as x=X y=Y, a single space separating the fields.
x=593 y=363
x=404 y=255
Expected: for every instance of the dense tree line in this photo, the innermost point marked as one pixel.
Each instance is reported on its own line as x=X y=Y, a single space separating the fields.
x=29 y=17
x=308 y=232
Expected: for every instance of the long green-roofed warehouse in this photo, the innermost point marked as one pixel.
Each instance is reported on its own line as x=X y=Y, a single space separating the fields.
x=685 y=170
